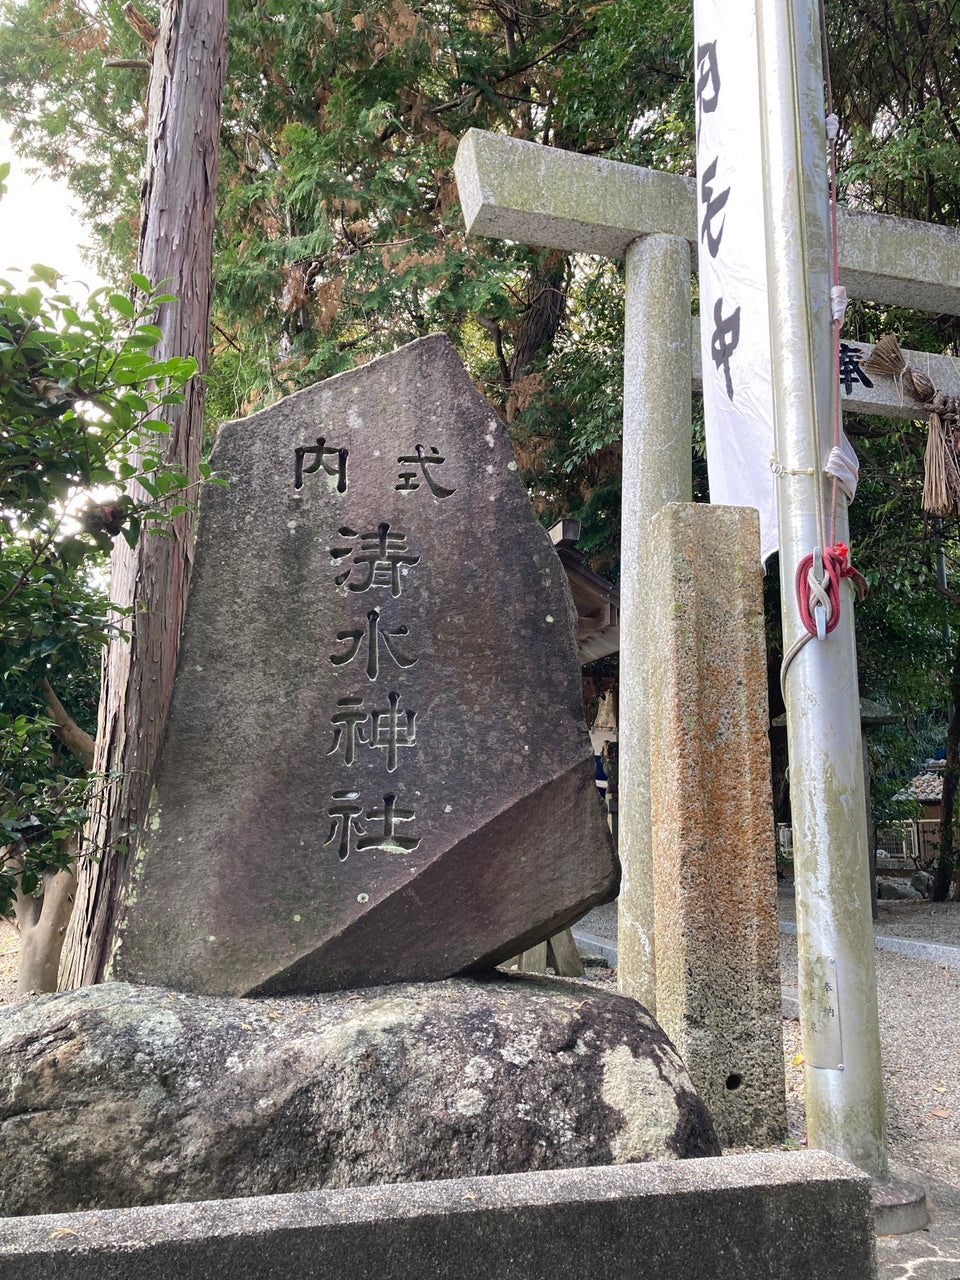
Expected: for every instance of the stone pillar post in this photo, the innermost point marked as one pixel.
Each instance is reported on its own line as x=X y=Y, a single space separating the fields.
x=656 y=470
x=714 y=862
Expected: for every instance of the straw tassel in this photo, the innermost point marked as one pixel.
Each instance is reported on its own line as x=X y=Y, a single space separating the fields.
x=886 y=357
x=941 y=465
x=941 y=475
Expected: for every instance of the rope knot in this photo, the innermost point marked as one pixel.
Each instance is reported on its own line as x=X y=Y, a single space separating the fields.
x=818 y=587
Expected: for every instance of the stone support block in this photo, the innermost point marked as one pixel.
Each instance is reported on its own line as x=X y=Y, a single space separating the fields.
x=715 y=900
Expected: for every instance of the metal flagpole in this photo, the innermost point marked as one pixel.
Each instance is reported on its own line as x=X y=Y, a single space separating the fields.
x=838 y=994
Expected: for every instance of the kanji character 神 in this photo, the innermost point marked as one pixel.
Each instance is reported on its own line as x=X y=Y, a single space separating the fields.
x=389 y=729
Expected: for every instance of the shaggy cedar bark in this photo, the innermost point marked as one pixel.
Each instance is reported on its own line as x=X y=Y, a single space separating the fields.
x=188 y=68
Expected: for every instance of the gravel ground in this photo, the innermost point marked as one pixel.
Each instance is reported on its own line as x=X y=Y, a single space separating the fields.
x=919 y=1006
x=9 y=953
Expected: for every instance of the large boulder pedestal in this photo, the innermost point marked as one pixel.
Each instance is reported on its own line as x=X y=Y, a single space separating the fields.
x=121 y=1095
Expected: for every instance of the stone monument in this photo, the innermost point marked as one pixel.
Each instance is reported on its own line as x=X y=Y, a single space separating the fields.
x=375 y=767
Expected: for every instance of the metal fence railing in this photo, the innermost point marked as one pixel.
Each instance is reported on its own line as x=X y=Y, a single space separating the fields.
x=914 y=843
x=898 y=843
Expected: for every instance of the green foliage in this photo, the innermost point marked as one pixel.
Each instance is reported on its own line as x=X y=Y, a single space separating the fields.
x=339 y=235
x=79 y=397
x=76 y=118
x=42 y=806
x=897 y=86
x=79 y=394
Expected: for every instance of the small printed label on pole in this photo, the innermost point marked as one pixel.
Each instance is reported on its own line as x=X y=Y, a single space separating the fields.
x=820 y=1013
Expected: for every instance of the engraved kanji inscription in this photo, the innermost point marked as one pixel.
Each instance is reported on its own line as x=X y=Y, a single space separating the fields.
x=425 y=463
x=376 y=558
x=387 y=838
x=346 y=721
x=344 y=811
x=386 y=728
x=388 y=731
x=348 y=825
x=374 y=634
x=330 y=459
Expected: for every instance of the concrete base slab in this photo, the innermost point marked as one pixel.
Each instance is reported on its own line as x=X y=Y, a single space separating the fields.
x=898 y=1207
x=770 y=1216
x=931 y=1254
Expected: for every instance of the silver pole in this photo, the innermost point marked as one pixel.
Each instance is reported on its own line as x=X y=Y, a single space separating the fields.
x=838 y=990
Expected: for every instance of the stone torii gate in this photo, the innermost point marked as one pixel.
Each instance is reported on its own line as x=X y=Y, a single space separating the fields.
x=524 y=192
x=520 y=191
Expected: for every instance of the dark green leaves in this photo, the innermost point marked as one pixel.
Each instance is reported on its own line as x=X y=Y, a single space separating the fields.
x=79 y=389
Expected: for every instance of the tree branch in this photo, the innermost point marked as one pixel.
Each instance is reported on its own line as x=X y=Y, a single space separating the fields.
x=494 y=330
x=69 y=732
x=141 y=25
x=44 y=934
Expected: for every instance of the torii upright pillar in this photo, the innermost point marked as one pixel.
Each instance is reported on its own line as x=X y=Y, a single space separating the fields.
x=521 y=191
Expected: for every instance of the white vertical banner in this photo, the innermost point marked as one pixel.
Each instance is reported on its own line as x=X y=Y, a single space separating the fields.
x=734 y=325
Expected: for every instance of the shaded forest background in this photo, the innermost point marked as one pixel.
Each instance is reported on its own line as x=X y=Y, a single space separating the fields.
x=338 y=237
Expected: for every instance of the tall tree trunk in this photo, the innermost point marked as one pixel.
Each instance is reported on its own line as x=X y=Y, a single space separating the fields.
x=176 y=242
x=42 y=918
x=951 y=777
x=42 y=923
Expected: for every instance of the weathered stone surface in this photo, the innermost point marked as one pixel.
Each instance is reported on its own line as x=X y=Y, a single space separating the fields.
x=895 y=889
x=715 y=897
x=376 y=767
x=517 y=190
x=118 y=1095
x=657 y=449
x=768 y=1215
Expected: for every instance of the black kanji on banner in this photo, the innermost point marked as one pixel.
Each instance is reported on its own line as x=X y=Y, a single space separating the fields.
x=708 y=79
x=850 y=370
x=726 y=339
x=712 y=206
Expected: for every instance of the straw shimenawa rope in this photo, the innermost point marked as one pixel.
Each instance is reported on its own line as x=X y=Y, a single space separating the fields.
x=941 y=465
